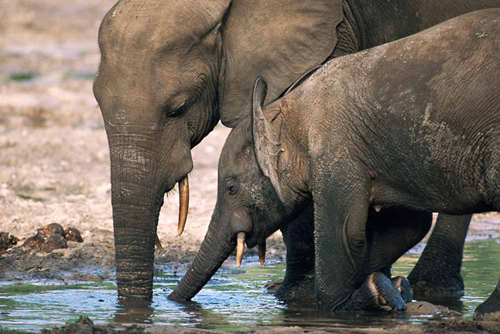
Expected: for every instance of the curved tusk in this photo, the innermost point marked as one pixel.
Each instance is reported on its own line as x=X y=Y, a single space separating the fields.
x=262 y=253
x=158 y=243
x=240 y=247
x=183 y=204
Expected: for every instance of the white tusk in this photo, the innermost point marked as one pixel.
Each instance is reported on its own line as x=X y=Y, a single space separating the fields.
x=262 y=253
x=240 y=247
x=158 y=243
x=183 y=204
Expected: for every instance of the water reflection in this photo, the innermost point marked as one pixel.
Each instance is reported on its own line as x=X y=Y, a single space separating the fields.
x=309 y=316
x=135 y=311
x=203 y=317
x=232 y=301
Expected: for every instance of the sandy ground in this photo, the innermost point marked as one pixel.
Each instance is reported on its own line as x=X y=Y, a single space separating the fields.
x=54 y=160
x=53 y=148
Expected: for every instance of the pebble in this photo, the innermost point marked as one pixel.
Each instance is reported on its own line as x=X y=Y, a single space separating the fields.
x=35 y=243
x=72 y=234
x=55 y=241
x=50 y=229
x=422 y=308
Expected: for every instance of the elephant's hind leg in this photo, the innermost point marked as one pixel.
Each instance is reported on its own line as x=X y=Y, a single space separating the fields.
x=390 y=234
x=490 y=309
x=437 y=272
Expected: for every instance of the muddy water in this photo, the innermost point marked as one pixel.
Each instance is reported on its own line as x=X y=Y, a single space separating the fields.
x=233 y=300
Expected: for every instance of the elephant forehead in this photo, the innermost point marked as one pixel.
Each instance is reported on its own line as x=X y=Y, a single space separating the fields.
x=155 y=24
x=131 y=112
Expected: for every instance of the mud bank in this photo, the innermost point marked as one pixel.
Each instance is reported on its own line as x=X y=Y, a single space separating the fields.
x=454 y=325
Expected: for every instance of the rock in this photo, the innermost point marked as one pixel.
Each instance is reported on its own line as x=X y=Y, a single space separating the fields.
x=273 y=286
x=84 y=325
x=35 y=242
x=4 y=240
x=447 y=312
x=50 y=229
x=421 y=308
x=7 y=241
x=72 y=234
x=55 y=241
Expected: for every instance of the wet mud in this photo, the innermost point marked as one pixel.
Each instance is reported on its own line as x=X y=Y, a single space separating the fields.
x=54 y=168
x=85 y=325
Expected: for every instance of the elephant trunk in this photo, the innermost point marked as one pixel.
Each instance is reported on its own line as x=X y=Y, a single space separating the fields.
x=134 y=231
x=137 y=196
x=215 y=249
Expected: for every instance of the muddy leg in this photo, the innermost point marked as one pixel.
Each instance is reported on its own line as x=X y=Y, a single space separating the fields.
x=402 y=284
x=490 y=309
x=438 y=269
x=352 y=250
x=390 y=234
x=298 y=284
x=375 y=294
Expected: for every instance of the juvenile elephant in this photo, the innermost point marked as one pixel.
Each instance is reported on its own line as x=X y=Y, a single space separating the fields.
x=170 y=70
x=391 y=134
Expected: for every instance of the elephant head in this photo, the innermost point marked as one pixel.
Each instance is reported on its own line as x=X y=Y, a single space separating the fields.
x=247 y=211
x=248 y=208
x=168 y=73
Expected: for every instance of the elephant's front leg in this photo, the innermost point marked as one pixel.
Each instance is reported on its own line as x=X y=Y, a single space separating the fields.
x=438 y=269
x=342 y=282
x=298 y=284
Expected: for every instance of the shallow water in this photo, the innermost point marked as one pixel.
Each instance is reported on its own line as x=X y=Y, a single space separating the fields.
x=233 y=300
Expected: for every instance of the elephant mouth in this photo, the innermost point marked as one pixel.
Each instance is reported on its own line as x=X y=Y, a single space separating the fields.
x=251 y=242
x=183 y=187
x=183 y=184
x=241 y=240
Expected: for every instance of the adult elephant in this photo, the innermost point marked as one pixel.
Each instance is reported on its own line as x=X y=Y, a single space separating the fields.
x=170 y=71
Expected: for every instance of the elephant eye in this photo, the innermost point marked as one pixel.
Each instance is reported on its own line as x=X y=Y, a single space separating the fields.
x=232 y=187
x=178 y=111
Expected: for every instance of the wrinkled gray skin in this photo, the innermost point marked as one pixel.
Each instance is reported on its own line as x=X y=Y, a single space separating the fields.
x=169 y=72
x=374 y=142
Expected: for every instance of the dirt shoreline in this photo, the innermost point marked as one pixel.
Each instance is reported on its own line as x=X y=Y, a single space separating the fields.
x=54 y=159
x=455 y=325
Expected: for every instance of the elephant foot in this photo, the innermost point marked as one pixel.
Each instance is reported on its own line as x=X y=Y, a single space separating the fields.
x=403 y=286
x=490 y=309
x=428 y=284
x=437 y=272
x=294 y=291
x=377 y=293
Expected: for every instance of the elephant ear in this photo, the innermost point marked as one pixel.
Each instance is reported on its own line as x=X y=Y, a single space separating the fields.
x=278 y=40
x=266 y=138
